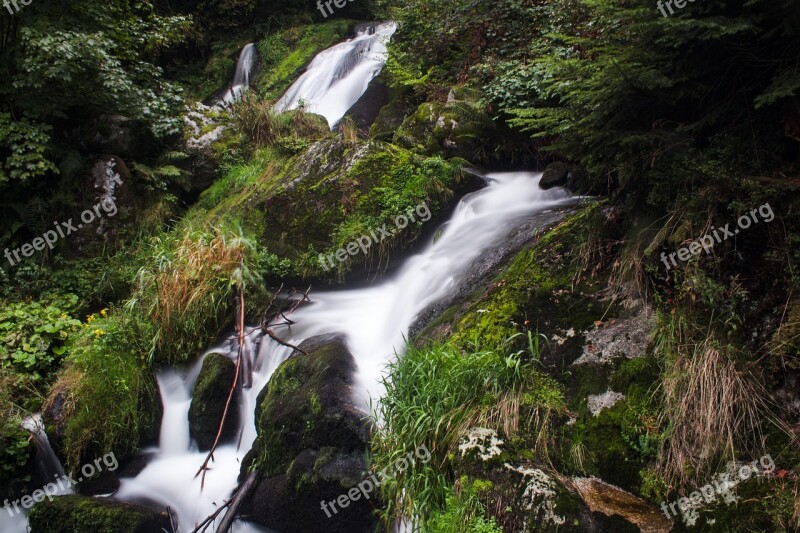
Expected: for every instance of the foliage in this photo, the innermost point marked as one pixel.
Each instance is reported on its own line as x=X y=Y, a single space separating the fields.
x=186 y=287
x=97 y=57
x=109 y=392
x=23 y=143
x=464 y=511
x=34 y=334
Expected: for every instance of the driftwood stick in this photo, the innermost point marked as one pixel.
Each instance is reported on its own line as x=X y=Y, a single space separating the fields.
x=283 y=342
x=236 y=502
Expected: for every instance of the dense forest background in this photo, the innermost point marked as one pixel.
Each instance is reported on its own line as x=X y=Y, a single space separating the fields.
x=680 y=124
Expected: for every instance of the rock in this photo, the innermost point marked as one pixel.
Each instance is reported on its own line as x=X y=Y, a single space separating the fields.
x=459 y=129
x=627 y=337
x=598 y=402
x=390 y=118
x=555 y=175
x=208 y=402
x=312 y=443
x=609 y=500
x=81 y=513
x=121 y=135
x=365 y=111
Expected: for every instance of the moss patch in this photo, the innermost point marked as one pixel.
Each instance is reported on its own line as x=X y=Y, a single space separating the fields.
x=79 y=513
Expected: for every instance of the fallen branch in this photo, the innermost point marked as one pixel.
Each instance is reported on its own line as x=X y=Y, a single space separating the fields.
x=236 y=502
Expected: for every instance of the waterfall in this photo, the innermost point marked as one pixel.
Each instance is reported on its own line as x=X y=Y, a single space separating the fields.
x=241 y=78
x=49 y=468
x=340 y=75
x=375 y=320
x=46 y=461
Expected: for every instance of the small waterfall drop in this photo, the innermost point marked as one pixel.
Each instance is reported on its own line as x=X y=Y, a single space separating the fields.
x=375 y=320
x=340 y=75
x=241 y=78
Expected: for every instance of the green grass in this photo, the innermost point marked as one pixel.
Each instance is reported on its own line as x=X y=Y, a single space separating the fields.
x=433 y=396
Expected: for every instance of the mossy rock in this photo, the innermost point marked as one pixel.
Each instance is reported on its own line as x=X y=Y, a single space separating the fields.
x=457 y=129
x=209 y=397
x=555 y=175
x=79 y=514
x=312 y=442
x=328 y=196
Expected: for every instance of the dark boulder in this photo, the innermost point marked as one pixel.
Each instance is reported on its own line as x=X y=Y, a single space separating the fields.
x=312 y=445
x=81 y=513
x=209 y=397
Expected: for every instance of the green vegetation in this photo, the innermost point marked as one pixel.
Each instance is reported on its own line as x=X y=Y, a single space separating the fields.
x=433 y=397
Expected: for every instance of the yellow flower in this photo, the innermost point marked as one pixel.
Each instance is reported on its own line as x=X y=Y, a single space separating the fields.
x=99 y=332
x=90 y=319
x=104 y=312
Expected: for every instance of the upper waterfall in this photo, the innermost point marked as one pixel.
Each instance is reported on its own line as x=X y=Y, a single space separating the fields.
x=340 y=75
x=241 y=78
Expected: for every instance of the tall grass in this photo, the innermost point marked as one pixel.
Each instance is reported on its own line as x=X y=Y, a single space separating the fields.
x=186 y=287
x=433 y=396
x=257 y=121
x=714 y=412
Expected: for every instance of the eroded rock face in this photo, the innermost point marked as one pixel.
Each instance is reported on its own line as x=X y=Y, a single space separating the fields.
x=312 y=444
x=208 y=402
x=81 y=513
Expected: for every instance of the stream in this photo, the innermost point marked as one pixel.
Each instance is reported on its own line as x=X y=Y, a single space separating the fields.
x=375 y=319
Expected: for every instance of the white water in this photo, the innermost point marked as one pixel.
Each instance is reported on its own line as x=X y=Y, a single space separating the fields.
x=340 y=75
x=241 y=78
x=375 y=320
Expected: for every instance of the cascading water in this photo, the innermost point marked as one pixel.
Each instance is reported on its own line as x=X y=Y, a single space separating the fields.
x=241 y=78
x=375 y=321
x=340 y=75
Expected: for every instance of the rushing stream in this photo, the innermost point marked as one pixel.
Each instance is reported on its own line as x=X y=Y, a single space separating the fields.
x=375 y=319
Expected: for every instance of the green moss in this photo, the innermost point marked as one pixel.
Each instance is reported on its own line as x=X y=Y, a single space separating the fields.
x=77 y=513
x=526 y=292
x=112 y=391
x=209 y=398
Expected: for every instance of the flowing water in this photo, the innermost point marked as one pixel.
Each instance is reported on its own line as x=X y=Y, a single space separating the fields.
x=375 y=320
x=340 y=75
x=241 y=78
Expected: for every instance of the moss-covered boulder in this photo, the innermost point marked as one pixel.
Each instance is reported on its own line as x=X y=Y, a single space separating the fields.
x=333 y=193
x=77 y=513
x=560 y=174
x=312 y=444
x=455 y=129
x=209 y=397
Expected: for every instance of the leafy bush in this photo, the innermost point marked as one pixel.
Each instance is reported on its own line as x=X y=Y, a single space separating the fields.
x=35 y=334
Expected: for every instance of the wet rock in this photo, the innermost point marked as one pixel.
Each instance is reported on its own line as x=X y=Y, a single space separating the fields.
x=208 y=402
x=609 y=500
x=311 y=446
x=555 y=175
x=81 y=513
x=627 y=337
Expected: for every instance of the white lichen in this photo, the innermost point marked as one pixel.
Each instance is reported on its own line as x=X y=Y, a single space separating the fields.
x=484 y=440
x=598 y=402
x=539 y=495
